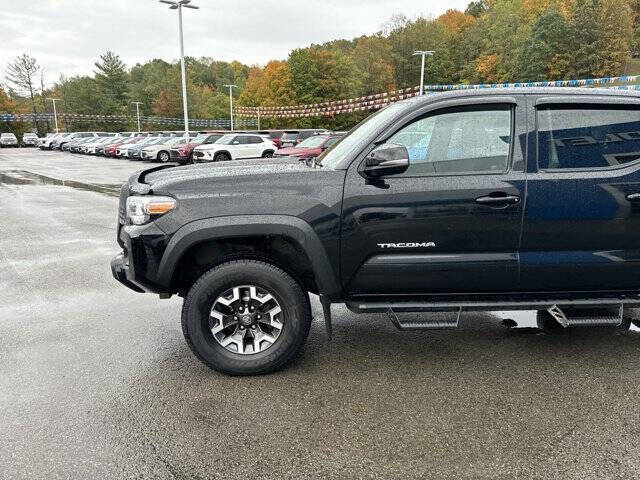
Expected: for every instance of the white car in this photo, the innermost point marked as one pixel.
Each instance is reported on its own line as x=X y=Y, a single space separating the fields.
x=30 y=140
x=45 y=143
x=160 y=151
x=90 y=148
x=8 y=140
x=234 y=146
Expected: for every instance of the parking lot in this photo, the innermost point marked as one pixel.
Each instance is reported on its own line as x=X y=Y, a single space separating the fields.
x=96 y=381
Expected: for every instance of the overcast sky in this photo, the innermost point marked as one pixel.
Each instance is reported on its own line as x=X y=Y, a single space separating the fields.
x=67 y=36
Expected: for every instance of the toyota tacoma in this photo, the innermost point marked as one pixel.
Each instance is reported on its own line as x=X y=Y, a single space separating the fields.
x=508 y=199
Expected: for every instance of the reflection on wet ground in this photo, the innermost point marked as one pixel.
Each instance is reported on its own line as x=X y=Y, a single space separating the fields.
x=24 y=177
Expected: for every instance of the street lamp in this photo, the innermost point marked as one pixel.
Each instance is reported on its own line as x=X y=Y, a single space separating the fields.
x=423 y=53
x=137 y=104
x=231 y=87
x=55 y=114
x=178 y=6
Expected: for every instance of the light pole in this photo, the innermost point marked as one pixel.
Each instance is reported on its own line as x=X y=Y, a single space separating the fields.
x=231 y=87
x=137 y=104
x=423 y=53
x=55 y=113
x=178 y=6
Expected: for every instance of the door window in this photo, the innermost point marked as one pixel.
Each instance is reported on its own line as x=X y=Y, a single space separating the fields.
x=572 y=137
x=461 y=141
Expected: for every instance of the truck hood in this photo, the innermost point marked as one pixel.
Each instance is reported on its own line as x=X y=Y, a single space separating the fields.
x=233 y=168
x=261 y=187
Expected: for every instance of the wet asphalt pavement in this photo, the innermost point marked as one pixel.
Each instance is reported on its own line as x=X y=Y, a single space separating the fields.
x=97 y=382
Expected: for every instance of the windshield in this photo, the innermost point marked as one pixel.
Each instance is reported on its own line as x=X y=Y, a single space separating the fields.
x=199 y=139
x=290 y=136
x=225 y=139
x=158 y=141
x=149 y=141
x=312 y=142
x=175 y=141
x=347 y=144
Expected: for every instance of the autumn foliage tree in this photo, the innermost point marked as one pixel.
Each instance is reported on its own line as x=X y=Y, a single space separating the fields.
x=490 y=41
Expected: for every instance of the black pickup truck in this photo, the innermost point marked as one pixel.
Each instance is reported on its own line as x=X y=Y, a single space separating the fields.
x=502 y=199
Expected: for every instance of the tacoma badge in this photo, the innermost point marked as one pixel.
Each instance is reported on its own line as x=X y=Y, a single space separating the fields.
x=408 y=245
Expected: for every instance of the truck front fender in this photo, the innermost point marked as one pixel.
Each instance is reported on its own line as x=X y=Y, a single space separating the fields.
x=237 y=226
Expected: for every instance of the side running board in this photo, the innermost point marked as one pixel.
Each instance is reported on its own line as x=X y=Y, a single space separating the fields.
x=598 y=317
x=425 y=324
x=568 y=313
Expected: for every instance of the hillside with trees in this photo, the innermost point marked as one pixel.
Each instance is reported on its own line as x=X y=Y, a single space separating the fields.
x=491 y=41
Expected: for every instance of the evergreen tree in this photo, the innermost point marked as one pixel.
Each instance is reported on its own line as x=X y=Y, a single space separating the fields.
x=111 y=80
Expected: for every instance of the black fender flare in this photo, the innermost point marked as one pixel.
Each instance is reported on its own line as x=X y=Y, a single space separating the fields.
x=219 y=228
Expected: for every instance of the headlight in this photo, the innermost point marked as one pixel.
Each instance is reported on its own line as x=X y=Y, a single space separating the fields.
x=140 y=209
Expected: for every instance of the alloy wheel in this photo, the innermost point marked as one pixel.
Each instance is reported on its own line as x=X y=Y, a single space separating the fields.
x=246 y=319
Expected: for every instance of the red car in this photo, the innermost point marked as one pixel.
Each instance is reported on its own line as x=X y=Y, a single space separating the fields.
x=311 y=147
x=110 y=149
x=182 y=152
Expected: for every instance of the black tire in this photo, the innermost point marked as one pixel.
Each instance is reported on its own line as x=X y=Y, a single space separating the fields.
x=296 y=319
x=164 y=157
x=267 y=154
x=222 y=157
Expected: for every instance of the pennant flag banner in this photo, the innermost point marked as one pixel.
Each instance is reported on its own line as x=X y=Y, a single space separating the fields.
x=70 y=117
x=377 y=101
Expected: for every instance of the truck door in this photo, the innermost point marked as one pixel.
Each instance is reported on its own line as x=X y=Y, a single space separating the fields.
x=451 y=223
x=581 y=226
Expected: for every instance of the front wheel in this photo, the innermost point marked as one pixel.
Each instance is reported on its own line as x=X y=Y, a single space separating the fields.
x=163 y=157
x=222 y=157
x=246 y=317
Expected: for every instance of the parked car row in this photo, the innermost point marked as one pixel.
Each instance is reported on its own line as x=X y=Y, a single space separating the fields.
x=200 y=147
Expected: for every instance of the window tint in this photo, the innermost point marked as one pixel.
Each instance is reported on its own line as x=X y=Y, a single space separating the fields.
x=591 y=137
x=458 y=142
x=243 y=139
x=255 y=140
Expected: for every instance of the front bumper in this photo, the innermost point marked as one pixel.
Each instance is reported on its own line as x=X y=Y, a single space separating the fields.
x=176 y=157
x=119 y=270
x=143 y=247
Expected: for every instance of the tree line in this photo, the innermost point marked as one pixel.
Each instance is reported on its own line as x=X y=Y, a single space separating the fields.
x=491 y=41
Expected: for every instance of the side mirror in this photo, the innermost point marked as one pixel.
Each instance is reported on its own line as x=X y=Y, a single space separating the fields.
x=386 y=159
x=236 y=142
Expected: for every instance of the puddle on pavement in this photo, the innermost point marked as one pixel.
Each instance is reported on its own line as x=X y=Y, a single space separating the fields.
x=23 y=177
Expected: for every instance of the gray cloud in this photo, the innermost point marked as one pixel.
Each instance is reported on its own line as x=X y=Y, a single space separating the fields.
x=67 y=36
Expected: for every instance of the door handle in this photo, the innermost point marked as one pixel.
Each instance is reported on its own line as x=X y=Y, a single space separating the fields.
x=501 y=200
x=633 y=197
